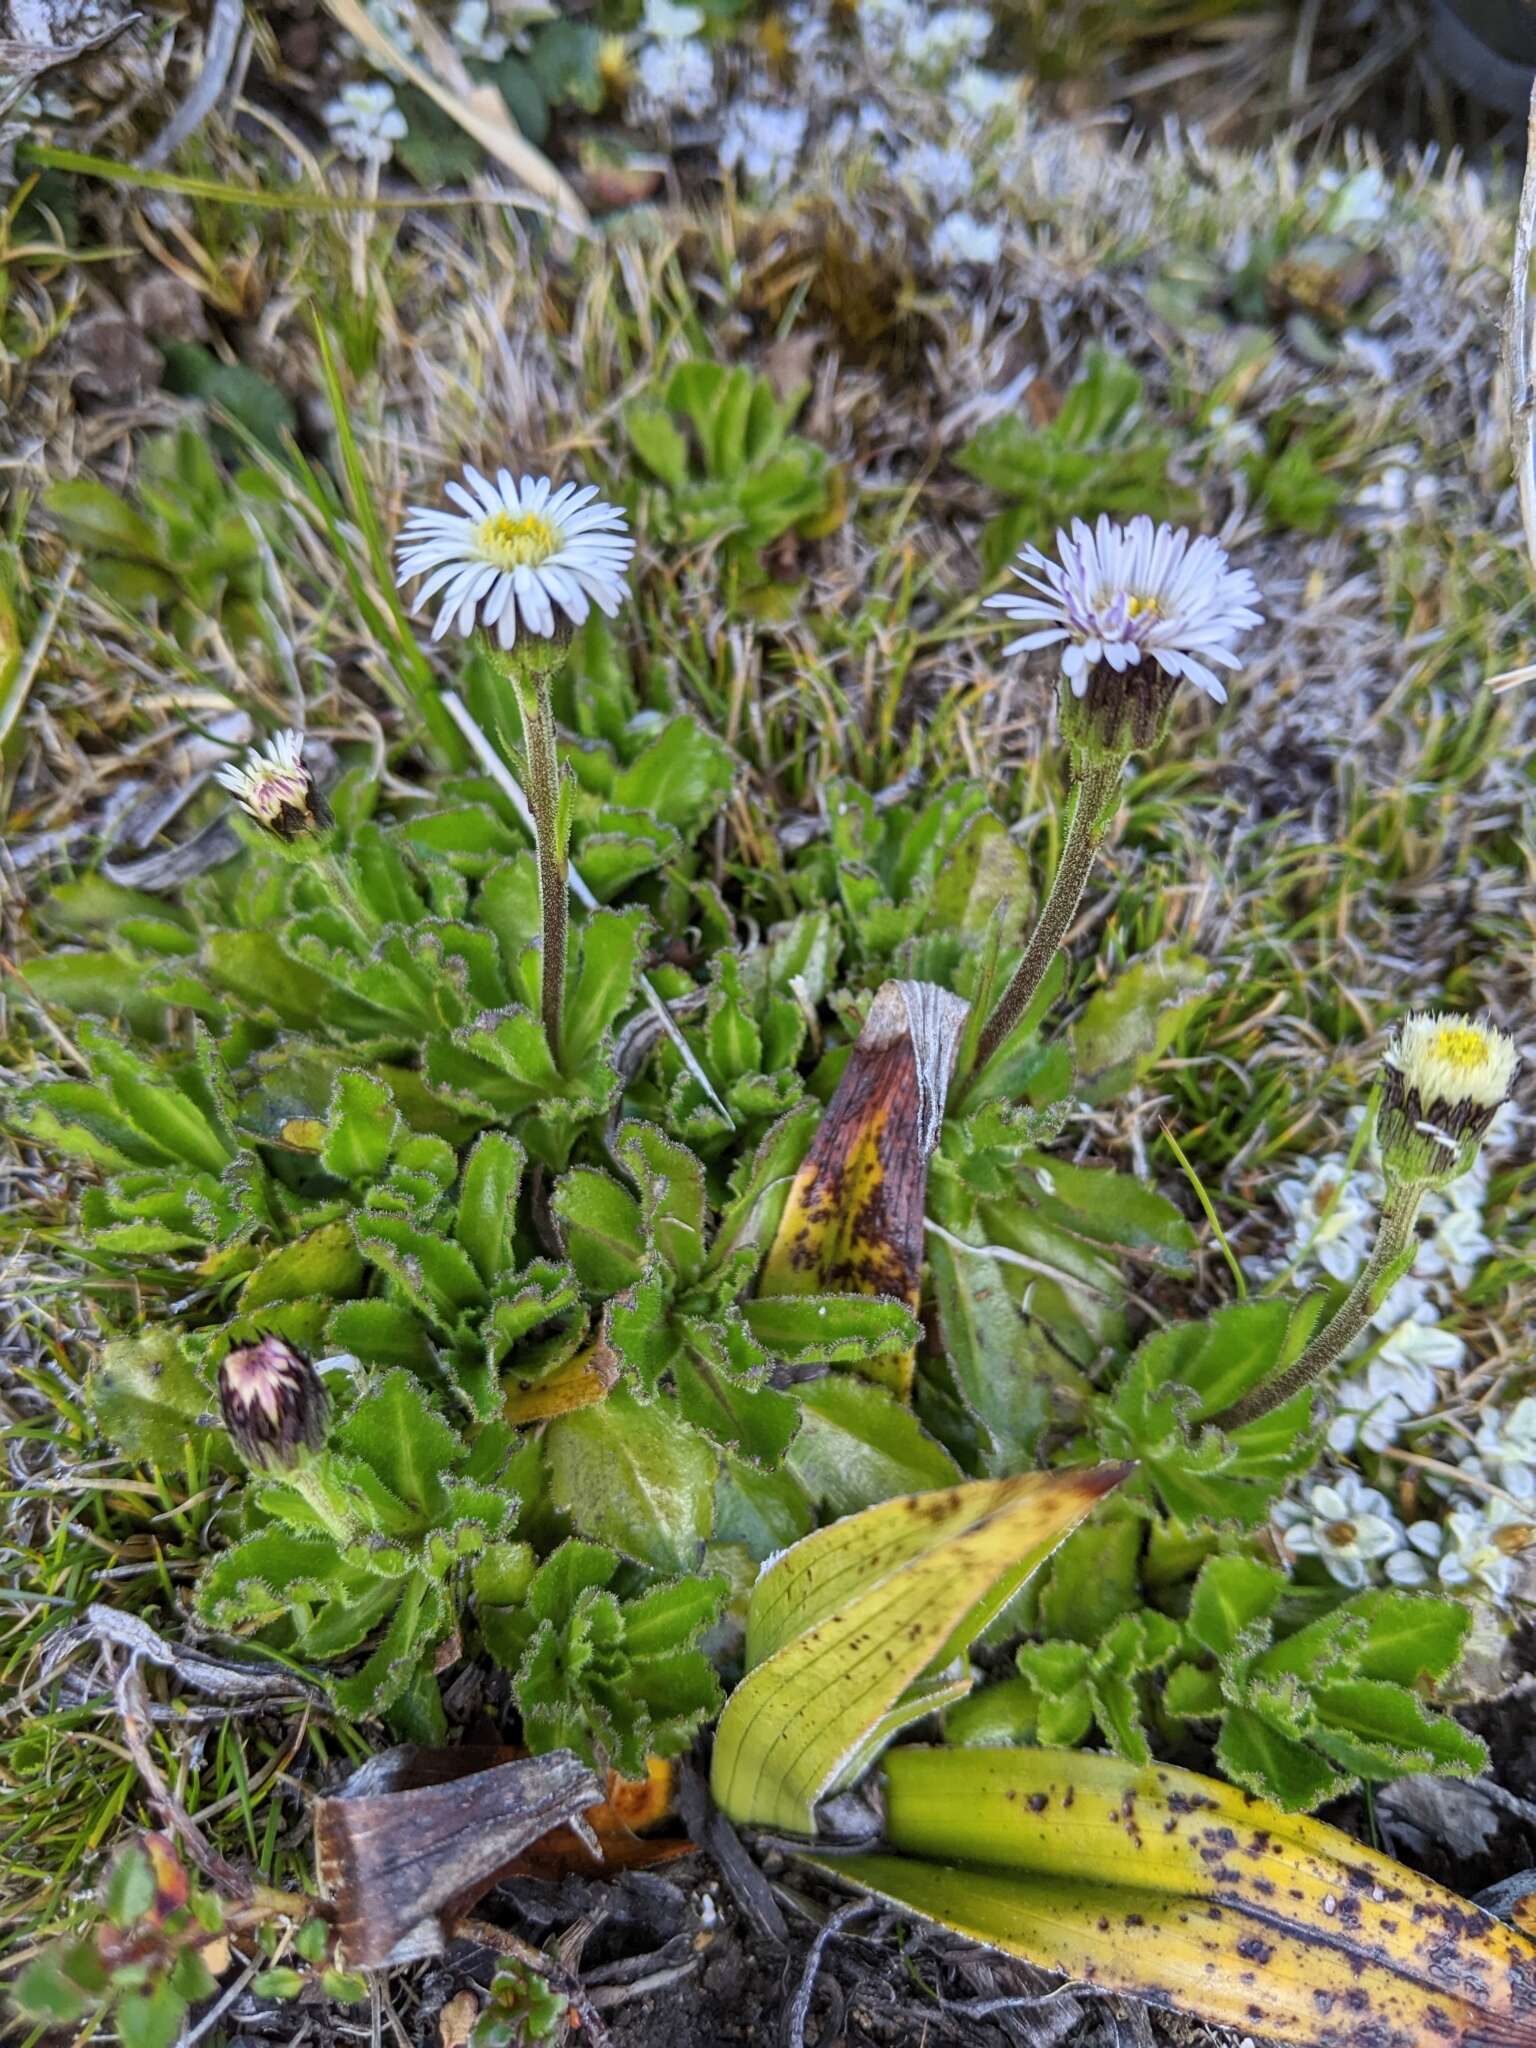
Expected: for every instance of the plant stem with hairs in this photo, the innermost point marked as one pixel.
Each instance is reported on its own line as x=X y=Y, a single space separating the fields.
x=528 y=667
x=1095 y=790
x=1394 y=1245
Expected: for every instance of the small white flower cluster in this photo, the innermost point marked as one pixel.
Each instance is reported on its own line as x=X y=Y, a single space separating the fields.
x=762 y=144
x=1402 y=493
x=674 y=66
x=1474 y=1550
x=395 y=25
x=1349 y=1526
x=1333 y=1210
x=929 y=45
x=904 y=61
x=1353 y=1529
x=364 y=122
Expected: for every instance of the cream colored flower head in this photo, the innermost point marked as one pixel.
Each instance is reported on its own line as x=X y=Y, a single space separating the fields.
x=1455 y=1064
x=517 y=552
x=276 y=789
x=1445 y=1079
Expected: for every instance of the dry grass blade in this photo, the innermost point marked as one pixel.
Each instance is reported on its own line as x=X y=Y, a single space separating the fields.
x=479 y=112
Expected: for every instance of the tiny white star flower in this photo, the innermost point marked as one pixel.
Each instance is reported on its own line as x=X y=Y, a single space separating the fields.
x=1457 y=1246
x=1418 y=1344
x=1478 y=1548
x=1413 y=1564
x=1333 y=1216
x=888 y=27
x=962 y=238
x=669 y=22
x=477 y=33
x=364 y=122
x=675 y=77
x=1347 y=1525
x=1372 y=1408
x=519 y=549
x=950 y=35
x=1360 y=199
x=1117 y=594
x=941 y=177
x=762 y=142
x=1506 y=1448
x=985 y=93
x=276 y=789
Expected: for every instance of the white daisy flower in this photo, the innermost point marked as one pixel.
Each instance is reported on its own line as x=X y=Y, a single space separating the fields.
x=1444 y=1079
x=1118 y=593
x=276 y=789
x=1347 y=1525
x=364 y=122
x=962 y=238
x=762 y=142
x=519 y=549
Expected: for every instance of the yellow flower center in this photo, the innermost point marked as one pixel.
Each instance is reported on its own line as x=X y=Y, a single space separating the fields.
x=1340 y=1534
x=516 y=540
x=1141 y=607
x=1464 y=1050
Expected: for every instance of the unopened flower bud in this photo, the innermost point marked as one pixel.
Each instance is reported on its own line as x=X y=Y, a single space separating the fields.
x=273 y=1404
x=277 y=790
x=1445 y=1079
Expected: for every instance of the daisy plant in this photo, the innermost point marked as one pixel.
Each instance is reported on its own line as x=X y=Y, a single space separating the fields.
x=1444 y=1079
x=523 y=563
x=1135 y=611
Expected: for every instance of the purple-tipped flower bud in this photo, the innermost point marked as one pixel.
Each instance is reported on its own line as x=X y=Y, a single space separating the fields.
x=273 y=1404
x=278 y=791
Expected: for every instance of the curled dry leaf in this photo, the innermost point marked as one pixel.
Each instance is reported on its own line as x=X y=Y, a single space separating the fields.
x=400 y=1867
x=853 y=1223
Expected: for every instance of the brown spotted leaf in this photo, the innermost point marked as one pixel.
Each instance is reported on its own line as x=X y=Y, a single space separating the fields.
x=1177 y=1889
x=861 y=1628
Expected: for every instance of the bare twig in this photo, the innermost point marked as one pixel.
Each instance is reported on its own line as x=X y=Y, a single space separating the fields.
x=132 y=1704
x=239 y=1683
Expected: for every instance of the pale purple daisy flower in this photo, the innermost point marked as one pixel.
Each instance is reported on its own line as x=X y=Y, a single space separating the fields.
x=276 y=789
x=1118 y=593
x=520 y=548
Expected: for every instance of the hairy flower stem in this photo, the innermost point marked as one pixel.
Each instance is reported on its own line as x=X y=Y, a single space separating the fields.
x=528 y=667
x=338 y=886
x=1095 y=790
x=1394 y=1245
